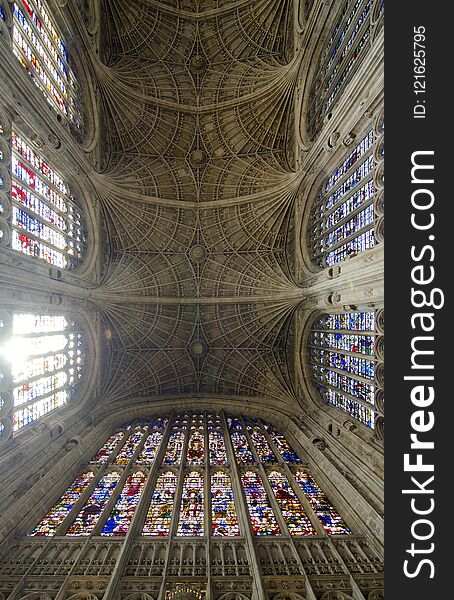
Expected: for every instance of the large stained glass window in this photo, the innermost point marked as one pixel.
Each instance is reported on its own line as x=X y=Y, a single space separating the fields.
x=46 y=220
x=342 y=219
x=343 y=52
x=43 y=53
x=126 y=480
x=45 y=357
x=342 y=361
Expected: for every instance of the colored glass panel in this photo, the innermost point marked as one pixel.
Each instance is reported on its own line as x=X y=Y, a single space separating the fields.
x=224 y=519
x=325 y=511
x=122 y=513
x=129 y=448
x=174 y=449
x=294 y=515
x=195 y=452
x=263 y=520
x=191 y=518
x=218 y=455
x=240 y=444
x=94 y=506
x=342 y=362
x=46 y=220
x=150 y=448
x=103 y=455
x=45 y=358
x=55 y=517
x=161 y=507
x=265 y=454
x=43 y=54
x=285 y=450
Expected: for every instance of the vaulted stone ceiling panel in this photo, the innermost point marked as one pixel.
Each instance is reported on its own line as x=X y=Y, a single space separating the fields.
x=198 y=196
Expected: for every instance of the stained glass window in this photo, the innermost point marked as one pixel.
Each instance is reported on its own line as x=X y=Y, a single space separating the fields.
x=128 y=450
x=195 y=452
x=61 y=510
x=42 y=52
x=224 y=519
x=191 y=518
x=45 y=357
x=285 y=450
x=94 y=506
x=340 y=58
x=216 y=442
x=125 y=506
x=46 y=220
x=195 y=501
x=261 y=445
x=104 y=454
x=239 y=440
x=161 y=507
x=342 y=219
x=174 y=450
x=327 y=514
x=296 y=519
x=341 y=354
x=150 y=448
x=262 y=516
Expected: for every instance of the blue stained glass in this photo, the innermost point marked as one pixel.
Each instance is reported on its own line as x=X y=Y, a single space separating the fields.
x=122 y=513
x=94 y=506
x=325 y=511
x=337 y=351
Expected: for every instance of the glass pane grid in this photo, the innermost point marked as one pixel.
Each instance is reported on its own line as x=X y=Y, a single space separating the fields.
x=183 y=498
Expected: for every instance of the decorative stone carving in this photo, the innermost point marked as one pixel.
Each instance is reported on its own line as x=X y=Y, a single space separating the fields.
x=349 y=139
x=54 y=140
x=350 y=426
x=333 y=138
x=319 y=443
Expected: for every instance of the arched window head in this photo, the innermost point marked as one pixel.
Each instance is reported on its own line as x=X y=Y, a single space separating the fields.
x=343 y=219
x=42 y=359
x=42 y=52
x=345 y=48
x=44 y=220
x=341 y=354
x=188 y=476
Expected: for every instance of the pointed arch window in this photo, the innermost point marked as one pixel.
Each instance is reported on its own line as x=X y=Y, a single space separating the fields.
x=41 y=50
x=342 y=221
x=341 y=351
x=184 y=500
x=344 y=50
x=43 y=358
x=46 y=220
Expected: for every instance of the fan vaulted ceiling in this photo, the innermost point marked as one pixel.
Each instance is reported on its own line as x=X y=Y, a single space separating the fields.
x=197 y=187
